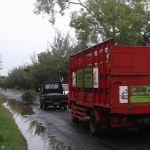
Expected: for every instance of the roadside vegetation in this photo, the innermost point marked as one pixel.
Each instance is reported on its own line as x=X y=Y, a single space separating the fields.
x=28 y=97
x=49 y=65
x=10 y=136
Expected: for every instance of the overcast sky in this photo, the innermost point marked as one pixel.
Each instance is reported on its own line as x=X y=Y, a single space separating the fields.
x=22 y=32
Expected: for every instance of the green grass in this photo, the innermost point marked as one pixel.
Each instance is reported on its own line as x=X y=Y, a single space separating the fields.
x=10 y=136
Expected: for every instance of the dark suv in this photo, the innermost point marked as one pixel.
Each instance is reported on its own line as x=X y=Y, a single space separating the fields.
x=51 y=94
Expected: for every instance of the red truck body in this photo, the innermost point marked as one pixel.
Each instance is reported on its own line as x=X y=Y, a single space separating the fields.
x=110 y=86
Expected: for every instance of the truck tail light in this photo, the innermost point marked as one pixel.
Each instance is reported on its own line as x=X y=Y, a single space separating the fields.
x=47 y=101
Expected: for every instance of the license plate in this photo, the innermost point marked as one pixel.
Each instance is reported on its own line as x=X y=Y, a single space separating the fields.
x=144 y=120
x=56 y=103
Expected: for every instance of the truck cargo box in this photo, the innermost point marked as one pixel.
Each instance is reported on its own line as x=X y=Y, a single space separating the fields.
x=111 y=83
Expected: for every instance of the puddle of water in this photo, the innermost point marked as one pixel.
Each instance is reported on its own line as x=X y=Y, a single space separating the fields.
x=57 y=145
x=17 y=108
x=33 y=131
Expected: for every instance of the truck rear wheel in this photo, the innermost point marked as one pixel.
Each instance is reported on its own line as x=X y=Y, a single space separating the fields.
x=143 y=130
x=94 y=125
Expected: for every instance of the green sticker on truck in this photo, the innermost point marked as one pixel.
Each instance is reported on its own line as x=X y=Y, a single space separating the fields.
x=139 y=94
x=79 y=78
x=88 y=77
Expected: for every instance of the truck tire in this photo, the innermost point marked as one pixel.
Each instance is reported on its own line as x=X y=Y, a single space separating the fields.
x=44 y=106
x=143 y=130
x=94 y=125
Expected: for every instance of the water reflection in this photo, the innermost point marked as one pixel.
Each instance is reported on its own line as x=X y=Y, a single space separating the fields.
x=34 y=132
x=19 y=109
x=57 y=145
x=38 y=128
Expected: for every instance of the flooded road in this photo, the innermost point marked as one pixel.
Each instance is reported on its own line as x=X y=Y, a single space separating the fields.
x=34 y=133
x=54 y=130
x=31 y=130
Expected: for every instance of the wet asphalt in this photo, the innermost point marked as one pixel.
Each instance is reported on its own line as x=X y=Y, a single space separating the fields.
x=53 y=129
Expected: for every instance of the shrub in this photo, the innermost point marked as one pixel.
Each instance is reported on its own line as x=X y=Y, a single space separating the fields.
x=28 y=97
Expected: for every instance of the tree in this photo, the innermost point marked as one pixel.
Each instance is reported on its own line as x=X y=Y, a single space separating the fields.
x=52 y=7
x=125 y=20
x=111 y=18
x=48 y=65
x=61 y=48
x=20 y=77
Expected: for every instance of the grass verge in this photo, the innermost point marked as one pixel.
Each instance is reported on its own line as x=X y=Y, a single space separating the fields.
x=10 y=136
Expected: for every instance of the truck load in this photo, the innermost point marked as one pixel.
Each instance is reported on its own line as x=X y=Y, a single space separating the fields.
x=109 y=86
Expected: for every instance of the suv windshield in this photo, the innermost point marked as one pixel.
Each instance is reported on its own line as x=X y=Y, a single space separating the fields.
x=51 y=86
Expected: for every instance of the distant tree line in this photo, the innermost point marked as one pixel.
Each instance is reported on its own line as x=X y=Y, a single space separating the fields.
x=127 y=21
x=49 y=65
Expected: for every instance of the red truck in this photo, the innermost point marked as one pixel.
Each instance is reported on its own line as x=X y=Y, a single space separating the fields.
x=109 y=86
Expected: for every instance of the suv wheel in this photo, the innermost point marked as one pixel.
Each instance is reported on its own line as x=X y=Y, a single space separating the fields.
x=41 y=105
x=65 y=107
x=45 y=106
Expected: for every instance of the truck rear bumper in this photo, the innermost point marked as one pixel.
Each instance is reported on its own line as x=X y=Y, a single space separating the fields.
x=132 y=109
x=130 y=120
